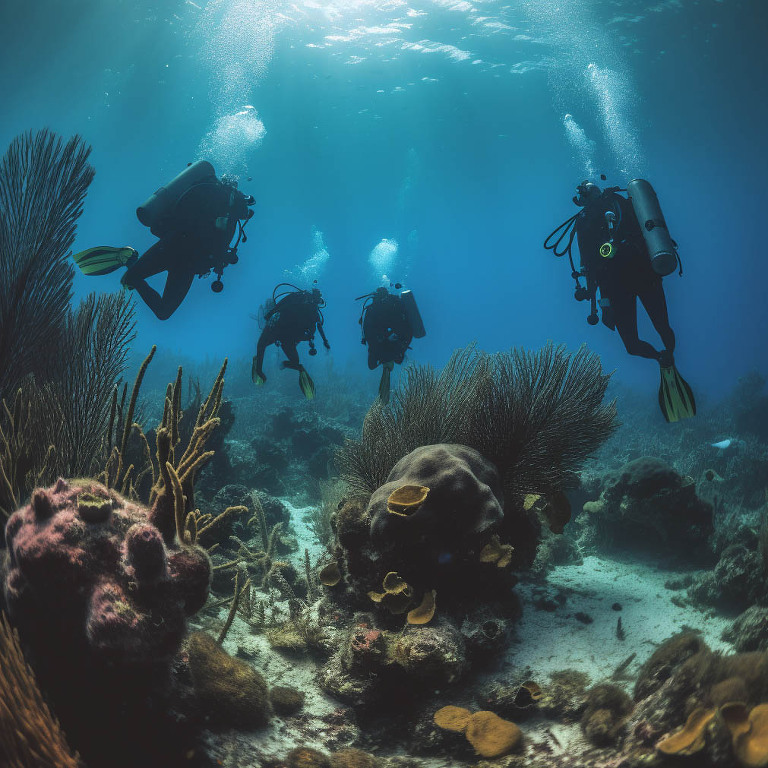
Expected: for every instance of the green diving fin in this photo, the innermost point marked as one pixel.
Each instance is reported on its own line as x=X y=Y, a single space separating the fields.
x=104 y=259
x=257 y=378
x=675 y=395
x=384 y=382
x=306 y=384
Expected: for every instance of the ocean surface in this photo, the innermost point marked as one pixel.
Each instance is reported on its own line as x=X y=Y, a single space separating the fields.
x=436 y=143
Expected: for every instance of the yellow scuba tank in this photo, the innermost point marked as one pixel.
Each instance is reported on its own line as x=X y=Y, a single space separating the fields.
x=158 y=205
x=412 y=314
x=660 y=245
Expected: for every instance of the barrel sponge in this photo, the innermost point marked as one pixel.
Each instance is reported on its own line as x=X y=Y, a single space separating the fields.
x=463 y=503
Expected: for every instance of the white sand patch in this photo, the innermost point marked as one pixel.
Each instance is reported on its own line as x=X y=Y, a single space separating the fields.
x=548 y=642
x=304 y=534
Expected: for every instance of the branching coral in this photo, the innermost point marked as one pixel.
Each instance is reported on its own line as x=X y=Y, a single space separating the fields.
x=66 y=361
x=30 y=736
x=535 y=415
x=42 y=187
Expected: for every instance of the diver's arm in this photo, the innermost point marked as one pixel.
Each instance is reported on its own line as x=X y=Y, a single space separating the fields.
x=322 y=335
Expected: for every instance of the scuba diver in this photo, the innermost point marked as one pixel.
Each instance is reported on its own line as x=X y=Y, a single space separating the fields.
x=195 y=217
x=626 y=262
x=389 y=323
x=291 y=316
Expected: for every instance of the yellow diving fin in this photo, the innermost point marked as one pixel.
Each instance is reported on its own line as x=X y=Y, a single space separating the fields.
x=306 y=384
x=104 y=259
x=676 y=398
x=257 y=378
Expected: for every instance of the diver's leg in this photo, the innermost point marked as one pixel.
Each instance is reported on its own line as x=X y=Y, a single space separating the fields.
x=177 y=286
x=152 y=262
x=257 y=367
x=289 y=347
x=625 y=315
x=655 y=304
x=161 y=257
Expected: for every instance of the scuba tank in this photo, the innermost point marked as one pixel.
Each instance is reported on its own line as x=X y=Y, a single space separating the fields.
x=412 y=314
x=158 y=205
x=661 y=246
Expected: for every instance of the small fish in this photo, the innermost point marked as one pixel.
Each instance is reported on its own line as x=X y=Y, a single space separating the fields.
x=723 y=444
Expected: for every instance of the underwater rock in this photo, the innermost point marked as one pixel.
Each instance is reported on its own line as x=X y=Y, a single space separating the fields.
x=231 y=693
x=736 y=582
x=555 y=549
x=648 y=506
x=564 y=695
x=306 y=757
x=750 y=630
x=484 y=633
x=435 y=653
x=464 y=501
x=665 y=660
x=607 y=709
x=353 y=758
x=286 y=700
x=274 y=510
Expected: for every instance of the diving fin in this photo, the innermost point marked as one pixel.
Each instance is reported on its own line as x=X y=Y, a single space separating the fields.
x=306 y=384
x=104 y=259
x=386 y=371
x=676 y=398
x=257 y=378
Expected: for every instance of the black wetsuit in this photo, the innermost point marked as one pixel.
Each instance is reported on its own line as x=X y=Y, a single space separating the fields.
x=293 y=319
x=625 y=277
x=386 y=330
x=194 y=238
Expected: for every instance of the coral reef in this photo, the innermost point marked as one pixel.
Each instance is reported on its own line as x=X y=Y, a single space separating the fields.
x=462 y=507
x=30 y=735
x=649 y=506
x=736 y=581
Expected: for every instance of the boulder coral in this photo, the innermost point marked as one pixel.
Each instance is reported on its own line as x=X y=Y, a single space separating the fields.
x=231 y=693
x=429 y=540
x=463 y=503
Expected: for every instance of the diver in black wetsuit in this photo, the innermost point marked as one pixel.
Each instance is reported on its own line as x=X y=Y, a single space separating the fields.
x=625 y=263
x=388 y=329
x=626 y=275
x=292 y=317
x=196 y=240
x=195 y=217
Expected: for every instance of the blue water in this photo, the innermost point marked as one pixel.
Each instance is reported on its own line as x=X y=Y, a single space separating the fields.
x=435 y=141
